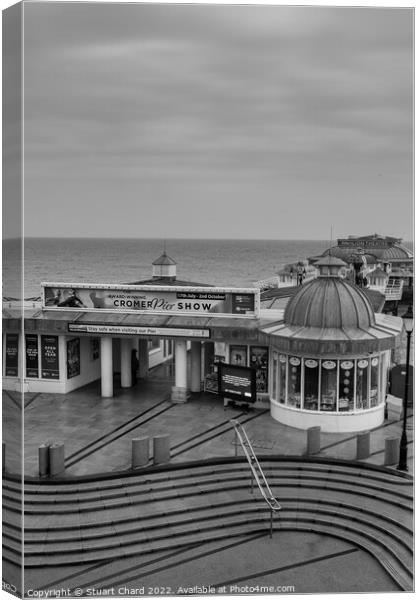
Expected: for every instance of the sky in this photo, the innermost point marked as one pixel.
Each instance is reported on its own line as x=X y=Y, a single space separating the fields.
x=217 y=121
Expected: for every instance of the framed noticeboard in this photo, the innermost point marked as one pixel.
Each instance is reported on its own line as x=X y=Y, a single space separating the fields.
x=12 y=354
x=32 y=355
x=50 y=367
x=73 y=358
x=237 y=383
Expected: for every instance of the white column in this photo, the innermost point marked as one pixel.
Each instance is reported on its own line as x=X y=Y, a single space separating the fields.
x=126 y=347
x=195 y=366
x=179 y=390
x=181 y=363
x=107 y=374
x=143 y=358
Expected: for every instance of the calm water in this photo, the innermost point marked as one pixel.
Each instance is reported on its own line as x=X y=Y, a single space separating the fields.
x=218 y=262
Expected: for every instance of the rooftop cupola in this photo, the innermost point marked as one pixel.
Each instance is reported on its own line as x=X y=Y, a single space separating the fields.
x=164 y=266
x=330 y=266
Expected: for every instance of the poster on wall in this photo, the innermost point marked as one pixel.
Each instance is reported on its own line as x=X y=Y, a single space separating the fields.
x=73 y=358
x=237 y=355
x=259 y=361
x=152 y=299
x=49 y=357
x=31 y=354
x=94 y=348
x=12 y=354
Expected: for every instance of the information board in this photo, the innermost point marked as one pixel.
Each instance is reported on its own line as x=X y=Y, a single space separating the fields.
x=237 y=383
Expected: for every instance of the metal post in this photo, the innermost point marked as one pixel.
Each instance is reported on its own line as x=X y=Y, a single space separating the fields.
x=236 y=444
x=271 y=522
x=402 y=466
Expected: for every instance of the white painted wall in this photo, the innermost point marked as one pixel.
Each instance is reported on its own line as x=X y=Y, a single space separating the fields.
x=90 y=370
x=331 y=422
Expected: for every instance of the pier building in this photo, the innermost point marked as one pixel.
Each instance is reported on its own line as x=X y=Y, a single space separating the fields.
x=323 y=360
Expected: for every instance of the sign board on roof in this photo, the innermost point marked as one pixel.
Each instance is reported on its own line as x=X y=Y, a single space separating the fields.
x=148 y=299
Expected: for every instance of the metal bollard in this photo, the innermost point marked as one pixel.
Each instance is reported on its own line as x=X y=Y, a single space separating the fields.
x=43 y=460
x=161 y=450
x=363 y=445
x=392 y=447
x=313 y=444
x=139 y=452
x=56 y=456
x=3 y=456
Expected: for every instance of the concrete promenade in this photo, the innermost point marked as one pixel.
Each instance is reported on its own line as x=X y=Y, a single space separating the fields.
x=97 y=434
x=198 y=429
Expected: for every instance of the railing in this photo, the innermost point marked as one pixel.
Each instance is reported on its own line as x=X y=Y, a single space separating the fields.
x=256 y=469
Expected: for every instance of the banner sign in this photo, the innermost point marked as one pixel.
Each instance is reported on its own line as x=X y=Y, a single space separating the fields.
x=149 y=331
x=238 y=383
x=73 y=358
x=49 y=357
x=32 y=358
x=12 y=354
x=175 y=300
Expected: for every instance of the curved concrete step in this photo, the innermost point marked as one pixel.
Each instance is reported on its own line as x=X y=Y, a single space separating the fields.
x=57 y=495
x=370 y=538
x=74 y=522
x=114 y=534
x=203 y=486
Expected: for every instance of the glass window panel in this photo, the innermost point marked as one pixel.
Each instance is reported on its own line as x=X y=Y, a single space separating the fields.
x=311 y=384
x=362 y=383
x=374 y=381
x=282 y=378
x=274 y=372
x=294 y=396
x=329 y=385
x=346 y=386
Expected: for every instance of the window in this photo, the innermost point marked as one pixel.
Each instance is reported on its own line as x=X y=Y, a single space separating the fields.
x=374 y=381
x=362 y=383
x=293 y=395
x=346 y=386
x=329 y=385
x=282 y=378
x=332 y=385
x=275 y=374
x=311 y=383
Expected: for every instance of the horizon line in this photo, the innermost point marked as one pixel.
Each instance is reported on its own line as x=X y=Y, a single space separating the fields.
x=82 y=237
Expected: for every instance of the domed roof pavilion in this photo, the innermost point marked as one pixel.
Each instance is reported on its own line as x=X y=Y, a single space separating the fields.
x=331 y=314
x=330 y=355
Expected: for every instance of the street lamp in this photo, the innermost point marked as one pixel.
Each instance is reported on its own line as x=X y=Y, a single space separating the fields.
x=409 y=324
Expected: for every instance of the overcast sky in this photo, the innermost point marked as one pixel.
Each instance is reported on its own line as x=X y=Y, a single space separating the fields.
x=217 y=121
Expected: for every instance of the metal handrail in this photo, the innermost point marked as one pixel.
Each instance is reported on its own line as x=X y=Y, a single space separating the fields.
x=257 y=471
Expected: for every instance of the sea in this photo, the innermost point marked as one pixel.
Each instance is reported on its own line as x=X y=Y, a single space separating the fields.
x=219 y=262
